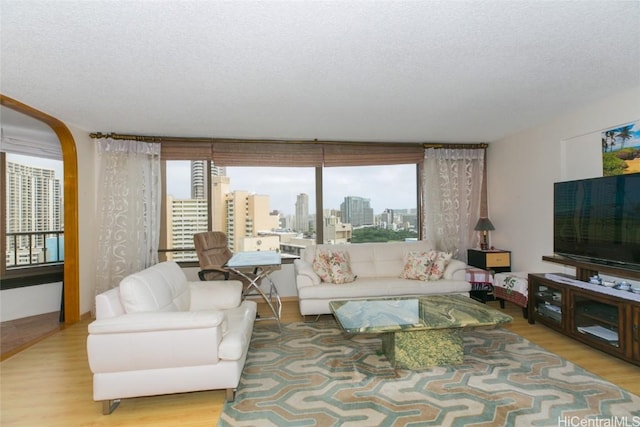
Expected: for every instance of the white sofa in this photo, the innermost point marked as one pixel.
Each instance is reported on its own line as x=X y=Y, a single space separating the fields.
x=378 y=267
x=158 y=333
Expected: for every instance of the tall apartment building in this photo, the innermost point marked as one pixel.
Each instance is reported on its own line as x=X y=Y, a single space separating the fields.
x=356 y=211
x=302 y=213
x=247 y=215
x=388 y=219
x=220 y=187
x=199 y=179
x=186 y=217
x=33 y=203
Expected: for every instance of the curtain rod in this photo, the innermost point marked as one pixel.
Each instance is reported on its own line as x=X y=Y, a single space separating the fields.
x=455 y=146
x=173 y=139
x=161 y=139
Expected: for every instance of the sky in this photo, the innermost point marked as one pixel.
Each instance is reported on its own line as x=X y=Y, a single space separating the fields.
x=392 y=187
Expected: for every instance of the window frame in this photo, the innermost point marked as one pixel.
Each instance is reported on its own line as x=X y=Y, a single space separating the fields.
x=22 y=275
x=316 y=154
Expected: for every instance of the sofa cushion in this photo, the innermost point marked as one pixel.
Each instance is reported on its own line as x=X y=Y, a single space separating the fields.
x=378 y=287
x=333 y=267
x=162 y=287
x=417 y=265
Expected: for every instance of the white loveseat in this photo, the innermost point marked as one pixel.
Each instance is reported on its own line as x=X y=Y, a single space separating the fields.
x=158 y=333
x=378 y=267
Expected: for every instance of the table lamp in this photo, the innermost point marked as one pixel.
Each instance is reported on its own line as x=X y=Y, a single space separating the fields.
x=484 y=225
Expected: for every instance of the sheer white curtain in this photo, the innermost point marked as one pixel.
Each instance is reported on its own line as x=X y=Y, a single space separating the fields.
x=128 y=228
x=452 y=187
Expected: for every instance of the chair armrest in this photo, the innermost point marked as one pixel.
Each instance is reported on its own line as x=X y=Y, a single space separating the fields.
x=305 y=275
x=456 y=270
x=215 y=295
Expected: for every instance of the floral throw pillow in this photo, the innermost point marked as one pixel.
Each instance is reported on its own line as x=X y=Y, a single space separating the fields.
x=439 y=265
x=417 y=265
x=321 y=265
x=333 y=267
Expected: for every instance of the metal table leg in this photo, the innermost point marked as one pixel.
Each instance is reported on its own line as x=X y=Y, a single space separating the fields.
x=254 y=289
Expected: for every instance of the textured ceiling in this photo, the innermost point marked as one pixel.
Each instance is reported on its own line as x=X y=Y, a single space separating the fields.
x=450 y=71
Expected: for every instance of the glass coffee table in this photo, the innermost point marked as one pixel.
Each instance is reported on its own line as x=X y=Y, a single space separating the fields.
x=417 y=332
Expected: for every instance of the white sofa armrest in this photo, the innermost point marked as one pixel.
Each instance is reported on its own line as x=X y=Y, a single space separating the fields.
x=157 y=321
x=305 y=276
x=215 y=294
x=456 y=270
x=147 y=341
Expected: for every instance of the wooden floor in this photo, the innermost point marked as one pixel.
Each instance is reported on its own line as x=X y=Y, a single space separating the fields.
x=49 y=384
x=16 y=335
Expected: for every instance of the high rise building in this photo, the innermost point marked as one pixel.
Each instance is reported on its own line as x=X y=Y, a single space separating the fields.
x=356 y=211
x=199 y=179
x=186 y=217
x=33 y=203
x=220 y=187
x=247 y=215
x=302 y=213
x=388 y=219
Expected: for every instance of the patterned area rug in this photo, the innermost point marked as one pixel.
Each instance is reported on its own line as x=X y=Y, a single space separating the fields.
x=314 y=375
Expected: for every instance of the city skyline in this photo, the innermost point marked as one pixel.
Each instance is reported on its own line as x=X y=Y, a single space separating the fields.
x=385 y=186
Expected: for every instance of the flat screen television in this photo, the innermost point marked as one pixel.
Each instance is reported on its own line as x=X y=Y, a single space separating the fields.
x=598 y=220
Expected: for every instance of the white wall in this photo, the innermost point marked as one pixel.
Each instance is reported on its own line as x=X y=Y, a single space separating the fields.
x=30 y=301
x=522 y=169
x=87 y=216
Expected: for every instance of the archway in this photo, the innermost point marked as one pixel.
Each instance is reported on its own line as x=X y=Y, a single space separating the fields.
x=70 y=173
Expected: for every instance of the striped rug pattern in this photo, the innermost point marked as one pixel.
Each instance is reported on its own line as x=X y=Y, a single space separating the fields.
x=314 y=375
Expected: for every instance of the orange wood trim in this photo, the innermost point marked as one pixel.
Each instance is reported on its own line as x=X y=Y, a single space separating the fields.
x=71 y=245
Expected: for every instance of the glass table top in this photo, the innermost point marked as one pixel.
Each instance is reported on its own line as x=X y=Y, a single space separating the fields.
x=254 y=259
x=414 y=313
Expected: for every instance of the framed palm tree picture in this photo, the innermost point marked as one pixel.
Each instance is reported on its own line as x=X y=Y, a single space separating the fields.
x=621 y=149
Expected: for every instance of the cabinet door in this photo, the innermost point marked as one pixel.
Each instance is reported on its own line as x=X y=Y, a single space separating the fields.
x=598 y=322
x=546 y=303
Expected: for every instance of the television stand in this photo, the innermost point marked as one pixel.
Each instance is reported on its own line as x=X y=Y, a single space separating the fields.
x=604 y=318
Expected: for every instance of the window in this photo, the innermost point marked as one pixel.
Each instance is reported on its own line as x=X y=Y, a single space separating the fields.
x=259 y=208
x=368 y=193
x=370 y=204
x=34 y=227
x=34 y=211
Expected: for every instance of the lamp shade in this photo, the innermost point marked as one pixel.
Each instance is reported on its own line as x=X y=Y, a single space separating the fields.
x=484 y=224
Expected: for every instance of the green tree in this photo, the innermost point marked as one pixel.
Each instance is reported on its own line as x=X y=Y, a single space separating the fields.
x=624 y=134
x=374 y=234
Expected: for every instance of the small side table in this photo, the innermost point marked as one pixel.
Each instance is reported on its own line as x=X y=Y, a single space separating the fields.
x=494 y=260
